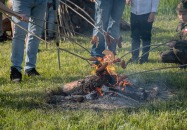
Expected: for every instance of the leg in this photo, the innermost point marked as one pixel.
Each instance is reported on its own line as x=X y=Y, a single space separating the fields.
x=18 y=40
x=115 y=19
x=51 y=24
x=32 y=43
x=19 y=34
x=146 y=37
x=51 y=20
x=102 y=16
x=135 y=35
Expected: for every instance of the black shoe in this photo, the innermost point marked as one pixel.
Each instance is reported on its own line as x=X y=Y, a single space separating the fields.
x=32 y=73
x=15 y=75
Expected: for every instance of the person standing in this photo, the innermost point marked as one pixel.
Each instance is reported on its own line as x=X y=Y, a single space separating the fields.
x=35 y=10
x=108 y=15
x=142 y=17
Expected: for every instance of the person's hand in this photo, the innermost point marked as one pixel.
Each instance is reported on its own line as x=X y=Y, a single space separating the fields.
x=23 y=17
x=128 y=2
x=151 y=17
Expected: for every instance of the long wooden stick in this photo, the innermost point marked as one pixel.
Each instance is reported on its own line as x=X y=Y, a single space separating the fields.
x=162 y=68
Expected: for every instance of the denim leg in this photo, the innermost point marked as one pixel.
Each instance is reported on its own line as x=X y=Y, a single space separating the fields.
x=135 y=35
x=146 y=28
x=37 y=12
x=51 y=25
x=18 y=41
x=102 y=15
x=51 y=19
x=114 y=23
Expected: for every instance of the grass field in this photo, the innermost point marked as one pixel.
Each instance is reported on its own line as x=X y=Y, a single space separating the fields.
x=23 y=106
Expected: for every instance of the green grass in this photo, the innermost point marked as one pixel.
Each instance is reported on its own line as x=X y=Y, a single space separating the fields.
x=23 y=106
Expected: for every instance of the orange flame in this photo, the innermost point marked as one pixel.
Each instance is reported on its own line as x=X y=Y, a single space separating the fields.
x=109 y=59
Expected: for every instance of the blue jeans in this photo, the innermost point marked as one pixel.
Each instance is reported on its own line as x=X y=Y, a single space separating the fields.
x=107 y=17
x=51 y=18
x=35 y=9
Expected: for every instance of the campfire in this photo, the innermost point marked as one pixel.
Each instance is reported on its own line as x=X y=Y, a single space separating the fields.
x=103 y=82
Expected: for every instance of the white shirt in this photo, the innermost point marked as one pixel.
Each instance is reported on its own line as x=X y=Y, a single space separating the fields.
x=140 y=7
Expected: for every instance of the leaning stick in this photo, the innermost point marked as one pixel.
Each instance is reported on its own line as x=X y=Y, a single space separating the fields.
x=57 y=30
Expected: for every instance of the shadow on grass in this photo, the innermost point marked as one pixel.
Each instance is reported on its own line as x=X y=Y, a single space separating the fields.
x=23 y=100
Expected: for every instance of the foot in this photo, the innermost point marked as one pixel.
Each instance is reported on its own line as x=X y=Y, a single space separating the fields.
x=32 y=73
x=15 y=75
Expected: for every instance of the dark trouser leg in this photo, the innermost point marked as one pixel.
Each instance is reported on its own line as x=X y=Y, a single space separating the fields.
x=146 y=28
x=135 y=35
x=145 y=51
x=135 y=48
